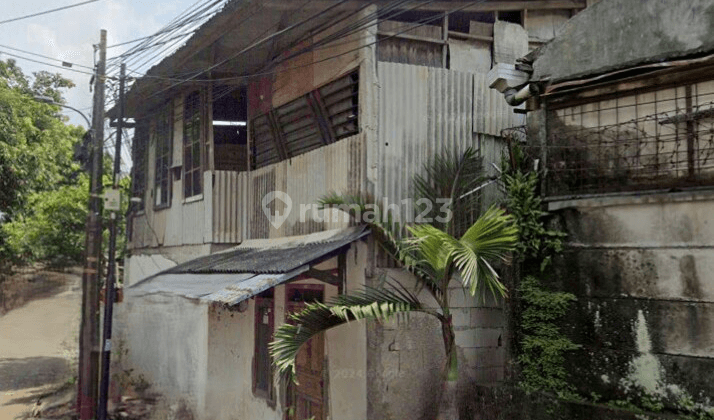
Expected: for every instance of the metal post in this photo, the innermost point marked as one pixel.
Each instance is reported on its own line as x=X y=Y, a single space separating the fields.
x=89 y=329
x=111 y=275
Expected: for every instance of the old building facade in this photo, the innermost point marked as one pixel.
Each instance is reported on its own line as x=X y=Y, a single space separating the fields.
x=346 y=98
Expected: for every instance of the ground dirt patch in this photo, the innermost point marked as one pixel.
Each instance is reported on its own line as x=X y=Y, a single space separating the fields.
x=39 y=328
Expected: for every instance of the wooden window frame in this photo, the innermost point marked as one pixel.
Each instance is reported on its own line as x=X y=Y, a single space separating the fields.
x=262 y=301
x=139 y=169
x=162 y=134
x=192 y=146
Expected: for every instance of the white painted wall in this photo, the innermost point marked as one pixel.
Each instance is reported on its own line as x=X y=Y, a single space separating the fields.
x=167 y=337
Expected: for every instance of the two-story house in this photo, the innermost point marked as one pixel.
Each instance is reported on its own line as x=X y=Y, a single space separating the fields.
x=268 y=107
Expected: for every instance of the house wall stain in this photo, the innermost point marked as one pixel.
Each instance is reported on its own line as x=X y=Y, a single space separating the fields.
x=645 y=299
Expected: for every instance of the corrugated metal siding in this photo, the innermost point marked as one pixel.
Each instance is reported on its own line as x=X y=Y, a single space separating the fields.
x=338 y=167
x=491 y=113
x=422 y=112
x=262 y=181
x=229 y=190
x=492 y=149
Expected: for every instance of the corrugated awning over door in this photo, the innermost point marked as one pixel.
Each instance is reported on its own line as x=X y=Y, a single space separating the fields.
x=239 y=273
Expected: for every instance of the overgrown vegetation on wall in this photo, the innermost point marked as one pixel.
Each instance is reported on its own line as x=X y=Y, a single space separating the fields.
x=542 y=346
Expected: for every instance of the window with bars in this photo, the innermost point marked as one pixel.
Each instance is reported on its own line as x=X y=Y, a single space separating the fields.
x=192 y=145
x=319 y=118
x=633 y=141
x=162 y=139
x=139 y=152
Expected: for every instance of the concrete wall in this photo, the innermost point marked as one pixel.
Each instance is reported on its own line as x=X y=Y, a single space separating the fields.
x=407 y=356
x=167 y=337
x=633 y=31
x=231 y=342
x=216 y=347
x=642 y=269
x=346 y=350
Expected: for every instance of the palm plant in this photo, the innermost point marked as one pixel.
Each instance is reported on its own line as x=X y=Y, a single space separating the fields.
x=432 y=252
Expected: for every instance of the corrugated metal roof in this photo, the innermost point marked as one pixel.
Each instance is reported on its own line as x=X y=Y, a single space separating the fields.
x=237 y=274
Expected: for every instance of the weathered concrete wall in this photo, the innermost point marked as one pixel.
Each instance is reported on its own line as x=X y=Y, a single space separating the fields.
x=166 y=338
x=407 y=356
x=617 y=33
x=231 y=342
x=202 y=354
x=346 y=350
x=643 y=271
x=507 y=403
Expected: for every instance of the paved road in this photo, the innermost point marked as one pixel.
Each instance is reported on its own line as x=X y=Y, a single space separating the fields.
x=38 y=347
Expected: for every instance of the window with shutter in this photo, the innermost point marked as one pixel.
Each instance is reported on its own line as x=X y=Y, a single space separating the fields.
x=321 y=117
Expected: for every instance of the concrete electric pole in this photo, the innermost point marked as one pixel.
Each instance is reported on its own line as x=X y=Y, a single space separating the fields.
x=89 y=330
x=111 y=272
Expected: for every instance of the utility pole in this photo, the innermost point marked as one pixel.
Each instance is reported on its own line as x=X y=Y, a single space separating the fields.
x=111 y=275
x=89 y=329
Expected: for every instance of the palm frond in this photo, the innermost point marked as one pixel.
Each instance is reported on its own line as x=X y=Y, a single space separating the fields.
x=454 y=177
x=390 y=235
x=369 y=303
x=489 y=239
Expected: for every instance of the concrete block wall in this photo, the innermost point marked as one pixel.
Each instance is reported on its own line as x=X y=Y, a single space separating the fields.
x=406 y=355
x=641 y=268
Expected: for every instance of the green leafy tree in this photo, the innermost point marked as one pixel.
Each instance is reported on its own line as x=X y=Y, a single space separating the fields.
x=53 y=227
x=36 y=150
x=434 y=253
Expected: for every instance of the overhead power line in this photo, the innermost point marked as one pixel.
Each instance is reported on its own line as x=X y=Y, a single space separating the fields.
x=48 y=11
x=45 y=63
x=257 y=43
x=64 y=62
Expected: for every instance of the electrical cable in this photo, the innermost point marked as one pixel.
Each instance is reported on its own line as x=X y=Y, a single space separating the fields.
x=48 y=11
x=417 y=24
x=147 y=58
x=47 y=57
x=188 y=16
x=45 y=63
x=255 y=44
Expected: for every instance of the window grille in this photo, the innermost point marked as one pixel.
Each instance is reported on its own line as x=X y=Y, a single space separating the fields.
x=192 y=145
x=162 y=138
x=633 y=141
x=321 y=117
x=340 y=100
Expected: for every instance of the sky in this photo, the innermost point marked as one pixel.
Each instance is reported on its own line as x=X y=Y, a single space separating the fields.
x=70 y=34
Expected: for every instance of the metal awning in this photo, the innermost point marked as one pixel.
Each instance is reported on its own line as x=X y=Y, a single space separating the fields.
x=234 y=275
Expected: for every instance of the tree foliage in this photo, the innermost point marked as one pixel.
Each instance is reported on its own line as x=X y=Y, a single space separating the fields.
x=431 y=251
x=38 y=177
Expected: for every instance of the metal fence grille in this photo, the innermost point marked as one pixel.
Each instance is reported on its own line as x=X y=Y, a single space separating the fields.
x=651 y=140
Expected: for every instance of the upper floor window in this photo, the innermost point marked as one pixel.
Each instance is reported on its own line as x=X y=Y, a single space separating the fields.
x=192 y=145
x=321 y=117
x=162 y=139
x=139 y=151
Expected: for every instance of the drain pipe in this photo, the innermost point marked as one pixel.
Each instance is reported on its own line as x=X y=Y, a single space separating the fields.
x=515 y=97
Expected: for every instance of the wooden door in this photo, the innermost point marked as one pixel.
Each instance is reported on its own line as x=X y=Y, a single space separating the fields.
x=307 y=398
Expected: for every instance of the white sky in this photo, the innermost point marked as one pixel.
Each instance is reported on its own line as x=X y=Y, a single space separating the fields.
x=69 y=35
